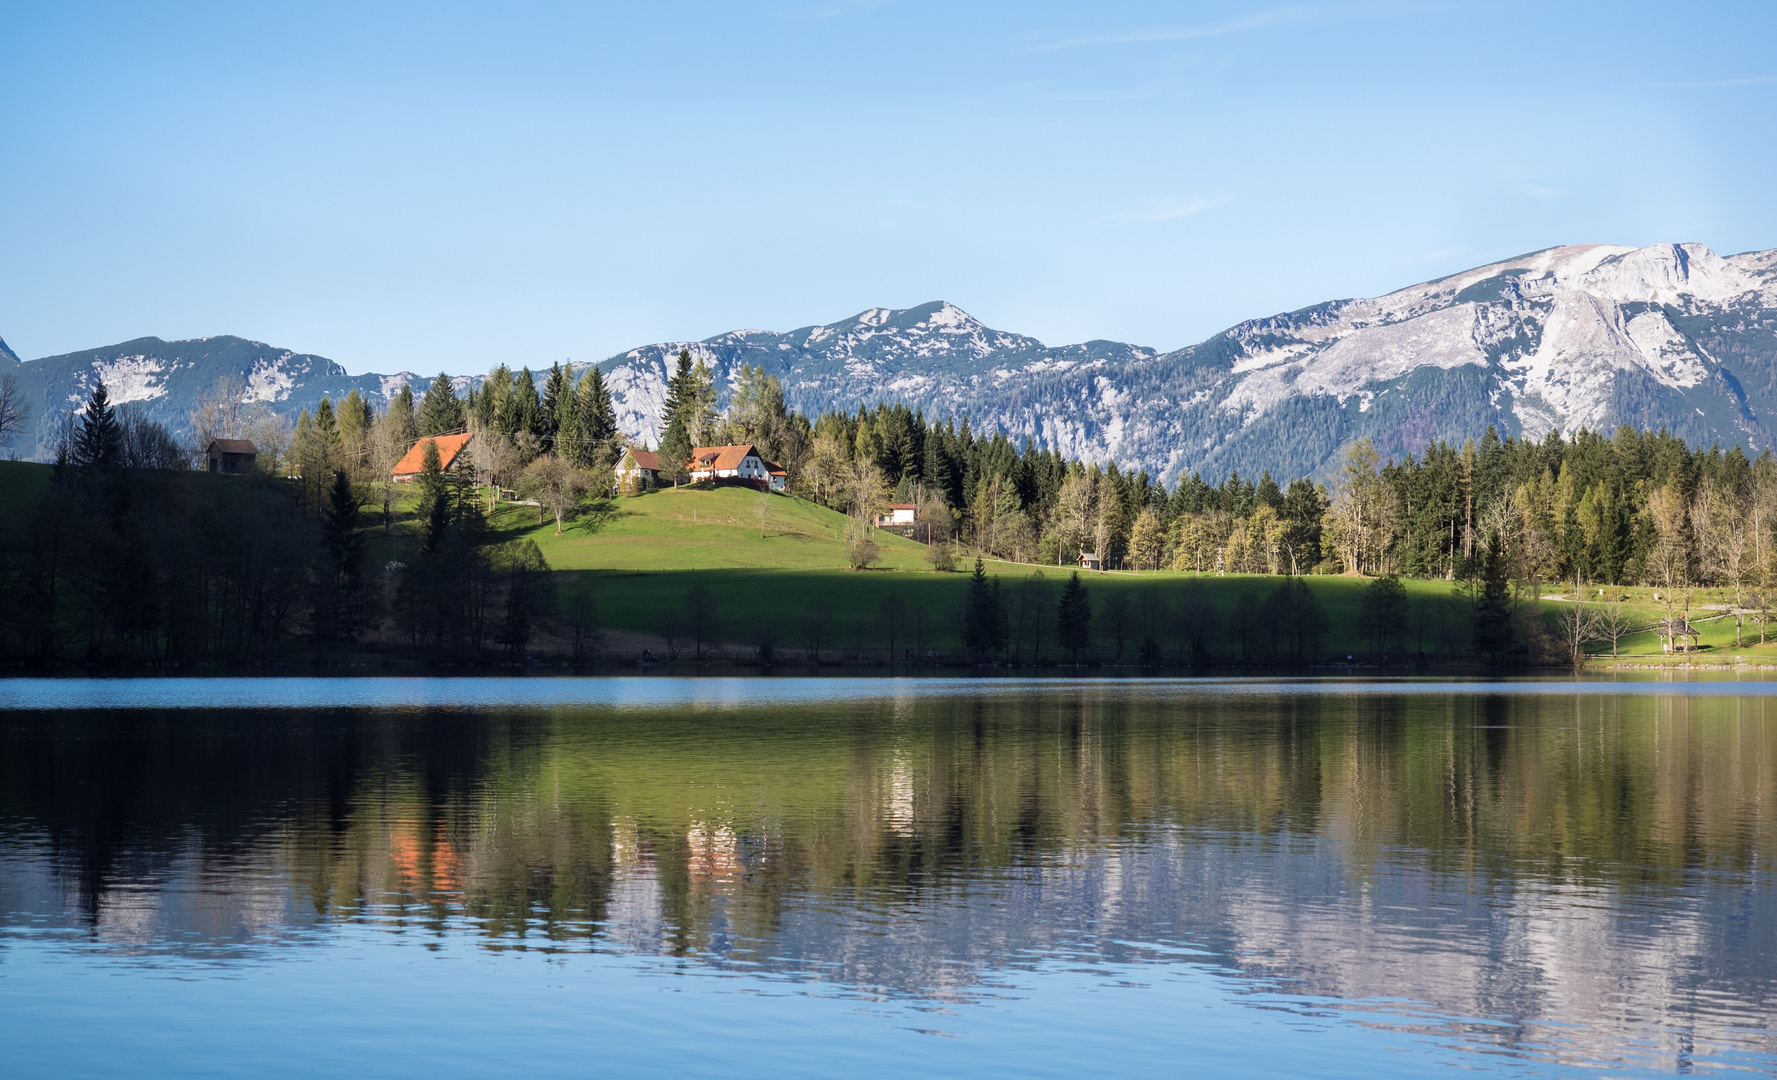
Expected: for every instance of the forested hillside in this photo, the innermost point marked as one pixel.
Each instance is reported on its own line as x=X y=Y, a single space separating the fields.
x=119 y=554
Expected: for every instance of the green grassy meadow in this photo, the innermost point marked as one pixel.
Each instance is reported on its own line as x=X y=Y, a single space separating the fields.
x=638 y=558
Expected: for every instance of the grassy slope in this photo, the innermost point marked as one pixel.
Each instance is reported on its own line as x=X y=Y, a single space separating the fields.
x=644 y=554
x=703 y=530
x=640 y=556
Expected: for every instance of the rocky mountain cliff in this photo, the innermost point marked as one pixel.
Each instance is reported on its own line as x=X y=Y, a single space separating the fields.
x=1669 y=336
x=163 y=379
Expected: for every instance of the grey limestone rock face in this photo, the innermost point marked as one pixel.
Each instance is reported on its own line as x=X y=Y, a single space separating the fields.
x=1592 y=336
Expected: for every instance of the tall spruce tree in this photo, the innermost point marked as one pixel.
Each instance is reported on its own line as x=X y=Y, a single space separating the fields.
x=984 y=621
x=675 y=448
x=98 y=441
x=441 y=412
x=556 y=413
x=527 y=406
x=1073 y=618
x=338 y=605
x=1493 y=613
x=598 y=418
x=681 y=388
x=401 y=414
x=434 y=505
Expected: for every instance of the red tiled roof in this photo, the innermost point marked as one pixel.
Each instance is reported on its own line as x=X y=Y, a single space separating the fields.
x=718 y=458
x=413 y=462
x=903 y=506
x=773 y=468
x=646 y=459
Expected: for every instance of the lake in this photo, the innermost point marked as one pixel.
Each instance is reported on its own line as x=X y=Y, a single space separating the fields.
x=783 y=877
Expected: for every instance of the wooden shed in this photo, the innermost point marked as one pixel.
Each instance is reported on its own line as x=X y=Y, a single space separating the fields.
x=231 y=455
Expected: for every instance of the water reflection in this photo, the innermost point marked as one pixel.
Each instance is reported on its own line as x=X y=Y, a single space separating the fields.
x=1577 y=878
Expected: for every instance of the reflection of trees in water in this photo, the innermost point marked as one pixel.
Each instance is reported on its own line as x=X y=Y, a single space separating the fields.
x=521 y=821
x=1510 y=856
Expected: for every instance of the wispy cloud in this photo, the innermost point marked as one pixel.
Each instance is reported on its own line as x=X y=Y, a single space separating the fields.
x=1749 y=80
x=1278 y=17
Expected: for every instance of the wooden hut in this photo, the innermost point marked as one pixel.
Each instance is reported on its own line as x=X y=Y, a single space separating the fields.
x=231 y=455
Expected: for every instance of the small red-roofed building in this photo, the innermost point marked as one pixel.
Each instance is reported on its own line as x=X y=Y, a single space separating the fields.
x=450 y=454
x=728 y=463
x=898 y=514
x=638 y=471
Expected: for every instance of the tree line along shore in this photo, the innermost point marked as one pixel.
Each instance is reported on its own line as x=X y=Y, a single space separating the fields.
x=1501 y=551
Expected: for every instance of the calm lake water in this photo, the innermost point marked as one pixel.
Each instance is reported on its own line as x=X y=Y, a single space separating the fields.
x=410 y=877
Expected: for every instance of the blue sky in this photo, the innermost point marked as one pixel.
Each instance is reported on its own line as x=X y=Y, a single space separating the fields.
x=434 y=186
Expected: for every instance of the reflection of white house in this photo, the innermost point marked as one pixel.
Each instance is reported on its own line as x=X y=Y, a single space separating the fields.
x=639 y=469
x=898 y=514
x=735 y=463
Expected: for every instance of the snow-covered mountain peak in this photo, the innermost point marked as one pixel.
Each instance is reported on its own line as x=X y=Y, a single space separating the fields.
x=949 y=317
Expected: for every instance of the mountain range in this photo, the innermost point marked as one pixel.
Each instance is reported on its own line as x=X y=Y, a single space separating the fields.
x=1668 y=336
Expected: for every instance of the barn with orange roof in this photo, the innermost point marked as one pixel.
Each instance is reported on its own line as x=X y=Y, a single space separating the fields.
x=450 y=453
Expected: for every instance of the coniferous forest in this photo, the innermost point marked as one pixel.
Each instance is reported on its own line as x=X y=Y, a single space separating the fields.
x=122 y=553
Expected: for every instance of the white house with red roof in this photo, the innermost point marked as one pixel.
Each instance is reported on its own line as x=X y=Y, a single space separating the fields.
x=740 y=462
x=639 y=470
x=897 y=514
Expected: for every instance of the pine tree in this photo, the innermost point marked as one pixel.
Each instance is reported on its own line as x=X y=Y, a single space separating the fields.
x=1269 y=494
x=326 y=423
x=1073 y=620
x=675 y=448
x=1493 y=615
x=557 y=406
x=434 y=497
x=441 y=412
x=98 y=443
x=401 y=414
x=527 y=407
x=680 y=388
x=339 y=593
x=597 y=417
x=495 y=405
x=984 y=623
